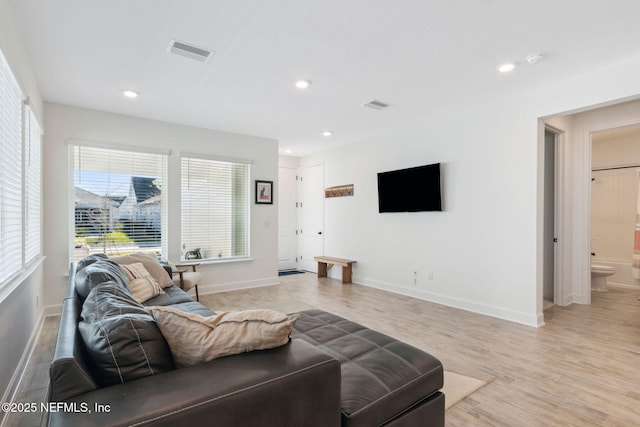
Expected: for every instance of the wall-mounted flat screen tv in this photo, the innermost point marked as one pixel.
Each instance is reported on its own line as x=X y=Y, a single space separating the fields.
x=410 y=190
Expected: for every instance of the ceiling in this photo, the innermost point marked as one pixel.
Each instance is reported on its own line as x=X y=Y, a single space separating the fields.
x=419 y=56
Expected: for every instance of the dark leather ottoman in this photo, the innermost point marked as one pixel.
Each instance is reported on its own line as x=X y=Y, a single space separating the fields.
x=384 y=382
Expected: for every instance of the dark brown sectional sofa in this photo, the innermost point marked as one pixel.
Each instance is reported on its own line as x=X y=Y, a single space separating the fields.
x=333 y=372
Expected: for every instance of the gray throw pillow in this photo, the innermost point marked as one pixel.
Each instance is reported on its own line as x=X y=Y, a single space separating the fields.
x=122 y=339
x=90 y=259
x=96 y=272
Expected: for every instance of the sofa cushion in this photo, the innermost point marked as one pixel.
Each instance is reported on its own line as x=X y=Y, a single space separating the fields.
x=193 y=307
x=97 y=270
x=381 y=376
x=195 y=339
x=150 y=263
x=122 y=340
x=142 y=286
x=173 y=295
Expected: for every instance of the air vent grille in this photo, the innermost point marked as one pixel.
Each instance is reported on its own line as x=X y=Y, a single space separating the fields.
x=190 y=51
x=376 y=104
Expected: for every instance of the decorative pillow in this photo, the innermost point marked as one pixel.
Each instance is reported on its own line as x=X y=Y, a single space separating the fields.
x=99 y=270
x=90 y=259
x=150 y=263
x=142 y=286
x=122 y=340
x=195 y=339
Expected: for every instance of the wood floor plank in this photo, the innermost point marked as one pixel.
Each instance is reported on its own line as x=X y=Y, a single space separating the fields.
x=582 y=368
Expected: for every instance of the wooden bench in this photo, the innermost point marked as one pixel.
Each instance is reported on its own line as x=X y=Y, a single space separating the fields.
x=325 y=263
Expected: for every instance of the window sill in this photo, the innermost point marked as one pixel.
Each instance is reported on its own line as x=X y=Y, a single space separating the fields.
x=7 y=288
x=214 y=261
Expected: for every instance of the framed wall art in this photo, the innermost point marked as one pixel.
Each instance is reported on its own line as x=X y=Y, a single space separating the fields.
x=264 y=192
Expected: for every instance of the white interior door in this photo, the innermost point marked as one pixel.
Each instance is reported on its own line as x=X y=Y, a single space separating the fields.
x=287 y=218
x=311 y=216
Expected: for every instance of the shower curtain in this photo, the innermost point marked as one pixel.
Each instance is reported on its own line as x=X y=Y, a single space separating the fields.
x=635 y=263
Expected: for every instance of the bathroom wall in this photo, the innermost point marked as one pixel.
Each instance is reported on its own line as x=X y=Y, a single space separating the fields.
x=614 y=200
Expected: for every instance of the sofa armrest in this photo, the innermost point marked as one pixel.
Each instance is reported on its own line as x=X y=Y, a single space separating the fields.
x=296 y=384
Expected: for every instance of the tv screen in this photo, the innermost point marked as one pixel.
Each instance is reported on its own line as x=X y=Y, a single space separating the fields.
x=410 y=190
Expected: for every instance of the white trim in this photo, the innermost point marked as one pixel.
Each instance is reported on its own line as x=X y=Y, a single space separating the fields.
x=52 y=310
x=500 y=313
x=215 y=158
x=560 y=289
x=210 y=261
x=115 y=146
x=235 y=286
x=7 y=288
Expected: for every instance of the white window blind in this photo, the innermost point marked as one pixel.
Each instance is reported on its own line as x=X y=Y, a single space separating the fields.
x=215 y=208
x=10 y=173
x=119 y=205
x=32 y=184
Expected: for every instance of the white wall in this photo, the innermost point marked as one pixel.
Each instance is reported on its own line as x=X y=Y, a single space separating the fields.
x=485 y=249
x=20 y=301
x=614 y=199
x=613 y=152
x=65 y=122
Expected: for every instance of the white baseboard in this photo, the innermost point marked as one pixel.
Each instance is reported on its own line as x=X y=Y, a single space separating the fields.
x=534 y=320
x=52 y=310
x=235 y=286
x=18 y=374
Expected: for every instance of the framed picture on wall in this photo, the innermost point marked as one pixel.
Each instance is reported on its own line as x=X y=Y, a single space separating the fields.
x=264 y=192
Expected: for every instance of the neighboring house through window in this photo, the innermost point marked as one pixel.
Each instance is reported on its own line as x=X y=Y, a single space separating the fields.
x=118 y=201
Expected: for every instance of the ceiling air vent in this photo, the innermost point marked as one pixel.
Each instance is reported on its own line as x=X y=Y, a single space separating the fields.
x=376 y=105
x=190 y=51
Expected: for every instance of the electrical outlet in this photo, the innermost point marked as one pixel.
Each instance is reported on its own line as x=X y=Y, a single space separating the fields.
x=415 y=277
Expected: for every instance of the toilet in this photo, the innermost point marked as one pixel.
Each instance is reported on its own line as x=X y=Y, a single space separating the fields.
x=599 y=274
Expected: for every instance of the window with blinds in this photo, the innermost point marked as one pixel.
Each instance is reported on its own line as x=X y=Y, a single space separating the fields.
x=11 y=100
x=32 y=185
x=215 y=208
x=119 y=205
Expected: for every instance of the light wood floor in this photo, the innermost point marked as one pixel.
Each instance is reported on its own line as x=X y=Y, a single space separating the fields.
x=581 y=369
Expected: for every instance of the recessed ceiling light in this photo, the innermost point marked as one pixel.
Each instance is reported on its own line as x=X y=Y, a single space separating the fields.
x=303 y=84
x=327 y=133
x=506 y=67
x=130 y=93
x=288 y=151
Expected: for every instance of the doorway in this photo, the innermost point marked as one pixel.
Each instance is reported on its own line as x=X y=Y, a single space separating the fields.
x=573 y=196
x=311 y=216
